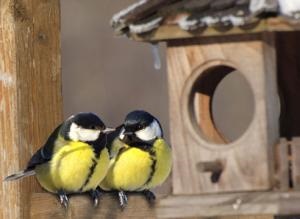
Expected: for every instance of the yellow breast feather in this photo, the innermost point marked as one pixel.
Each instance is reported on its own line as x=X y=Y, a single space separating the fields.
x=70 y=167
x=163 y=163
x=99 y=172
x=128 y=171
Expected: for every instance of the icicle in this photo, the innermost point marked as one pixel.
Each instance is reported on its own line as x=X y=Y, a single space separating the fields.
x=156 y=55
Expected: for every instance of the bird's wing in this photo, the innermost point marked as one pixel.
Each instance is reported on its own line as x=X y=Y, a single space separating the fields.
x=44 y=154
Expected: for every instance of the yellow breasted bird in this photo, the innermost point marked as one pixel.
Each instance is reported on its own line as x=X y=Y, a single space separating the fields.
x=140 y=157
x=74 y=159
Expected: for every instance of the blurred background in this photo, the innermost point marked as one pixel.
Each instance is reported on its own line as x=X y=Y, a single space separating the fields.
x=112 y=75
x=106 y=74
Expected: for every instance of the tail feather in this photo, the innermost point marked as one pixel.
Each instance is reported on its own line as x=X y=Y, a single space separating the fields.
x=20 y=174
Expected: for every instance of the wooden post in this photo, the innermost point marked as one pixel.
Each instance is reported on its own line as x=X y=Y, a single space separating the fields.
x=30 y=92
x=46 y=206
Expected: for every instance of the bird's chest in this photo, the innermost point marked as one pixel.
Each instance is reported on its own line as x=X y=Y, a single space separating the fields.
x=131 y=170
x=71 y=166
x=162 y=165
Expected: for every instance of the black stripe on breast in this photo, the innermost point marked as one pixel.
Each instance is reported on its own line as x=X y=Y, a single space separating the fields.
x=91 y=172
x=153 y=166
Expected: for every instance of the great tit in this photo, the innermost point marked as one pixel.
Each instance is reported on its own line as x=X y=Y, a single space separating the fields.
x=74 y=159
x=140 y=157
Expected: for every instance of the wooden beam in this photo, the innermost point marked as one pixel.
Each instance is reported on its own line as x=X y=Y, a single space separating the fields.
x=251 y=203
x=281 y=165
x=295 y=162
x=45 y=205
x=173 y=31
x=30 y=92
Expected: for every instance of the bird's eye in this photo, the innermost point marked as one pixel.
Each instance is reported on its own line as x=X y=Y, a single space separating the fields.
x=93 y=127
x=140 y=127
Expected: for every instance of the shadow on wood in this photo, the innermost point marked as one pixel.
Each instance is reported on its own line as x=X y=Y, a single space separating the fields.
x=45 y=205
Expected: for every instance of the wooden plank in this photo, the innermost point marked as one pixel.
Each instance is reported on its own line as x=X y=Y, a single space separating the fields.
x=248 y=159
x=246 y=217
x=238 y=217
x=238 y=204
x=281 y=169
x=295 y=159
x=173 y=31
x=44 y=206
x=30 y=92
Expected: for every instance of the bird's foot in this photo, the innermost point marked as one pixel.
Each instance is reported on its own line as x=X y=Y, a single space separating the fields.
x=95 y=194
x=123 y=199
x=149 y=196
x=63 y=198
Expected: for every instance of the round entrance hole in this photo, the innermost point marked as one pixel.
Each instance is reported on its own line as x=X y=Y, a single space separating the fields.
x=222 y=104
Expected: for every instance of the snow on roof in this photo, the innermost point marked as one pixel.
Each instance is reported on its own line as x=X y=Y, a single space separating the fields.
x=189 y=15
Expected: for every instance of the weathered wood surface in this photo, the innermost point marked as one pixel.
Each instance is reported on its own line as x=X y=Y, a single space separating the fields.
x=171 y=32
x=281 y=165
x=248 y=161
x=295 y=161
x=257 y=205
x=46 y=206
x=30 y=92
x=217 y=205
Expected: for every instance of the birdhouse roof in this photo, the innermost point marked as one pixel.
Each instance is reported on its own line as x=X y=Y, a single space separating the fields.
x=152 y=20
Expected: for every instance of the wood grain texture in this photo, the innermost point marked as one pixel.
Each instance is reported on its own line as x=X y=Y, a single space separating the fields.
x=261 y=204
x=30 y=92
x=295 y=161
x=281 y=168
x=248 y=161
x=46 y=206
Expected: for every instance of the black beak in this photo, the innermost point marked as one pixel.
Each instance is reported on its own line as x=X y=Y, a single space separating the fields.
x=128 y=133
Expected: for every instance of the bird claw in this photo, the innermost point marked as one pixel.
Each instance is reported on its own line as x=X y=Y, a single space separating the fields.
x=95 y=194
x=123 y=199
x=150 y=196
x=64 y=201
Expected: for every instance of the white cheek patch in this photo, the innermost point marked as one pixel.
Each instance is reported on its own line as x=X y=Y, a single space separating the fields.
x=150 y=132
x=78 y=133
x=121 y=135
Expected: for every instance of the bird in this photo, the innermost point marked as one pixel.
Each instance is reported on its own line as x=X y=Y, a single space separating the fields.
x=74 y=158
x=140 y=157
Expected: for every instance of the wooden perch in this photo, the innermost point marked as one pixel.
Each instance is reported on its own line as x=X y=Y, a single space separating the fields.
x=45 y=205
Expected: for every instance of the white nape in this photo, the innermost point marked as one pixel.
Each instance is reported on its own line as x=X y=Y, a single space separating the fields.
x=150 y=132
x=78 y=133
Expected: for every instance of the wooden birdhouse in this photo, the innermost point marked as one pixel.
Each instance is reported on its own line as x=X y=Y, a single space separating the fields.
x=259 y=171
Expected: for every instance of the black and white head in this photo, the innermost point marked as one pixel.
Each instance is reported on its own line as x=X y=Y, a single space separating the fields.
x=140 y=127
x=84 y=127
